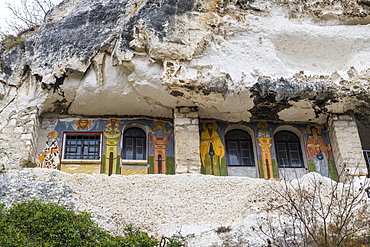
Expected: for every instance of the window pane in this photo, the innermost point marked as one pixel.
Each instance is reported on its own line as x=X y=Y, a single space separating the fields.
x=139 y=142
x=80 y=147
x=280 y=146
x=288 y=149
x=233 y=157
x=293 y=146
x=129 y=153
x=139 y=154
x=247 y=162
x=134 y=144
x=232 y=145
x=239 y=148
x=282 y=155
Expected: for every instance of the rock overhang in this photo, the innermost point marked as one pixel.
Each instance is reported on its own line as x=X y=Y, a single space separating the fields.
x=235 y=60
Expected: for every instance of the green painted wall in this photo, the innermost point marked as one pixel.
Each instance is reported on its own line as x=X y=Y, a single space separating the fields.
x=102 y=163
x=311 y=166
x=118 y=164
x=275 y=168
x=151 y=165
x=275 y=172
x=262 y=174
x=333 y=171
x=170 y=165
x=223 y=170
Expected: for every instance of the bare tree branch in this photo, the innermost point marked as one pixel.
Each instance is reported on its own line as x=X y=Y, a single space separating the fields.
x=27 y=13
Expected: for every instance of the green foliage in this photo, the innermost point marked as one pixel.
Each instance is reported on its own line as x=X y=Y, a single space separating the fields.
x=34 y=223
x=11 y=41
x=28 y=164
x=175 y=243
x=2 y=169
x=134 y=237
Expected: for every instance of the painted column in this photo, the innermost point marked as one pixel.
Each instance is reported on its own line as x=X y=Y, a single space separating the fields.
x=112 y=133
x=186 y=133
x=264 y=141
x=346 y=145
x=160 y=145
x=265 y=144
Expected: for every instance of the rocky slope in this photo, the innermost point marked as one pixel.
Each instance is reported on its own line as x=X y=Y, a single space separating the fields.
x=195 y=205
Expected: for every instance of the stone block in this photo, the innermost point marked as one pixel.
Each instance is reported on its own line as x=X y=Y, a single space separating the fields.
x=192 y=115
x=8 y=130
x=182 y=135
x=195 y=121
x=194 y=168
x=179 y=115
x=26 y=136
x=183 y=109
x=12 y=122
x=181 y=169
x=18 y=130
x=182 y=121
x=193 y=128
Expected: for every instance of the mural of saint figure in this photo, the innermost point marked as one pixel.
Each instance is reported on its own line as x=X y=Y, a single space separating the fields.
x=83 y=124
x=211 y=149
x=318 y=151
x=49 y=158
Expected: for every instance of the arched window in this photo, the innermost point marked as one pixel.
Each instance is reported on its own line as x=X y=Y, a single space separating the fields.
x=288 y=150
x=134 y=144
x=239 y=148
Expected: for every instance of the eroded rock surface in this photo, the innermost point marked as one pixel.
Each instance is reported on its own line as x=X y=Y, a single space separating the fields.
x=236 y=60
x=162 y=54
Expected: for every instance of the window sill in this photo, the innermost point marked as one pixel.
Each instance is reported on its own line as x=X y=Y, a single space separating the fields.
x=136 y=162
x=81 y=161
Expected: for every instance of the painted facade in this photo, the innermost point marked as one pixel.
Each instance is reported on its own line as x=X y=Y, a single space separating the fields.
x=95 y=146
x=145 y=146
x=263 y=144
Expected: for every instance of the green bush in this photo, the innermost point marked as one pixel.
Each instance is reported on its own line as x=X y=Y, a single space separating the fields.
x=34 y=223
x=134 y=237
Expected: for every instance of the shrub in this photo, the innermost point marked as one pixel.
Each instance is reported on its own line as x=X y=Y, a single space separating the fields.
x=34 y=223
x=134 y=237
x=319 y=213
x=11 y=41
x=28 y=164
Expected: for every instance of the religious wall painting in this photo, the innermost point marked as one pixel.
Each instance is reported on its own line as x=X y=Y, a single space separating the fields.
x=83 y=124
x=320 y=158
x=267 y=165
x=49 y=157
x=212 y=150
x=160 y=135
x=111 y=159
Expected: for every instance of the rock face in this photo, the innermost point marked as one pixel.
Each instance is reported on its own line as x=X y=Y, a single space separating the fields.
x=235 y=60
x=164 y=54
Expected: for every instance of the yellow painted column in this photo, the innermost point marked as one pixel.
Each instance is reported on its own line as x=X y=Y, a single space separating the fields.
x=265 y=145
x=112 y=134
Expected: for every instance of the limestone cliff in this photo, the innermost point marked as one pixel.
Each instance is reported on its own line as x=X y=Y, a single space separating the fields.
x=236 y=60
